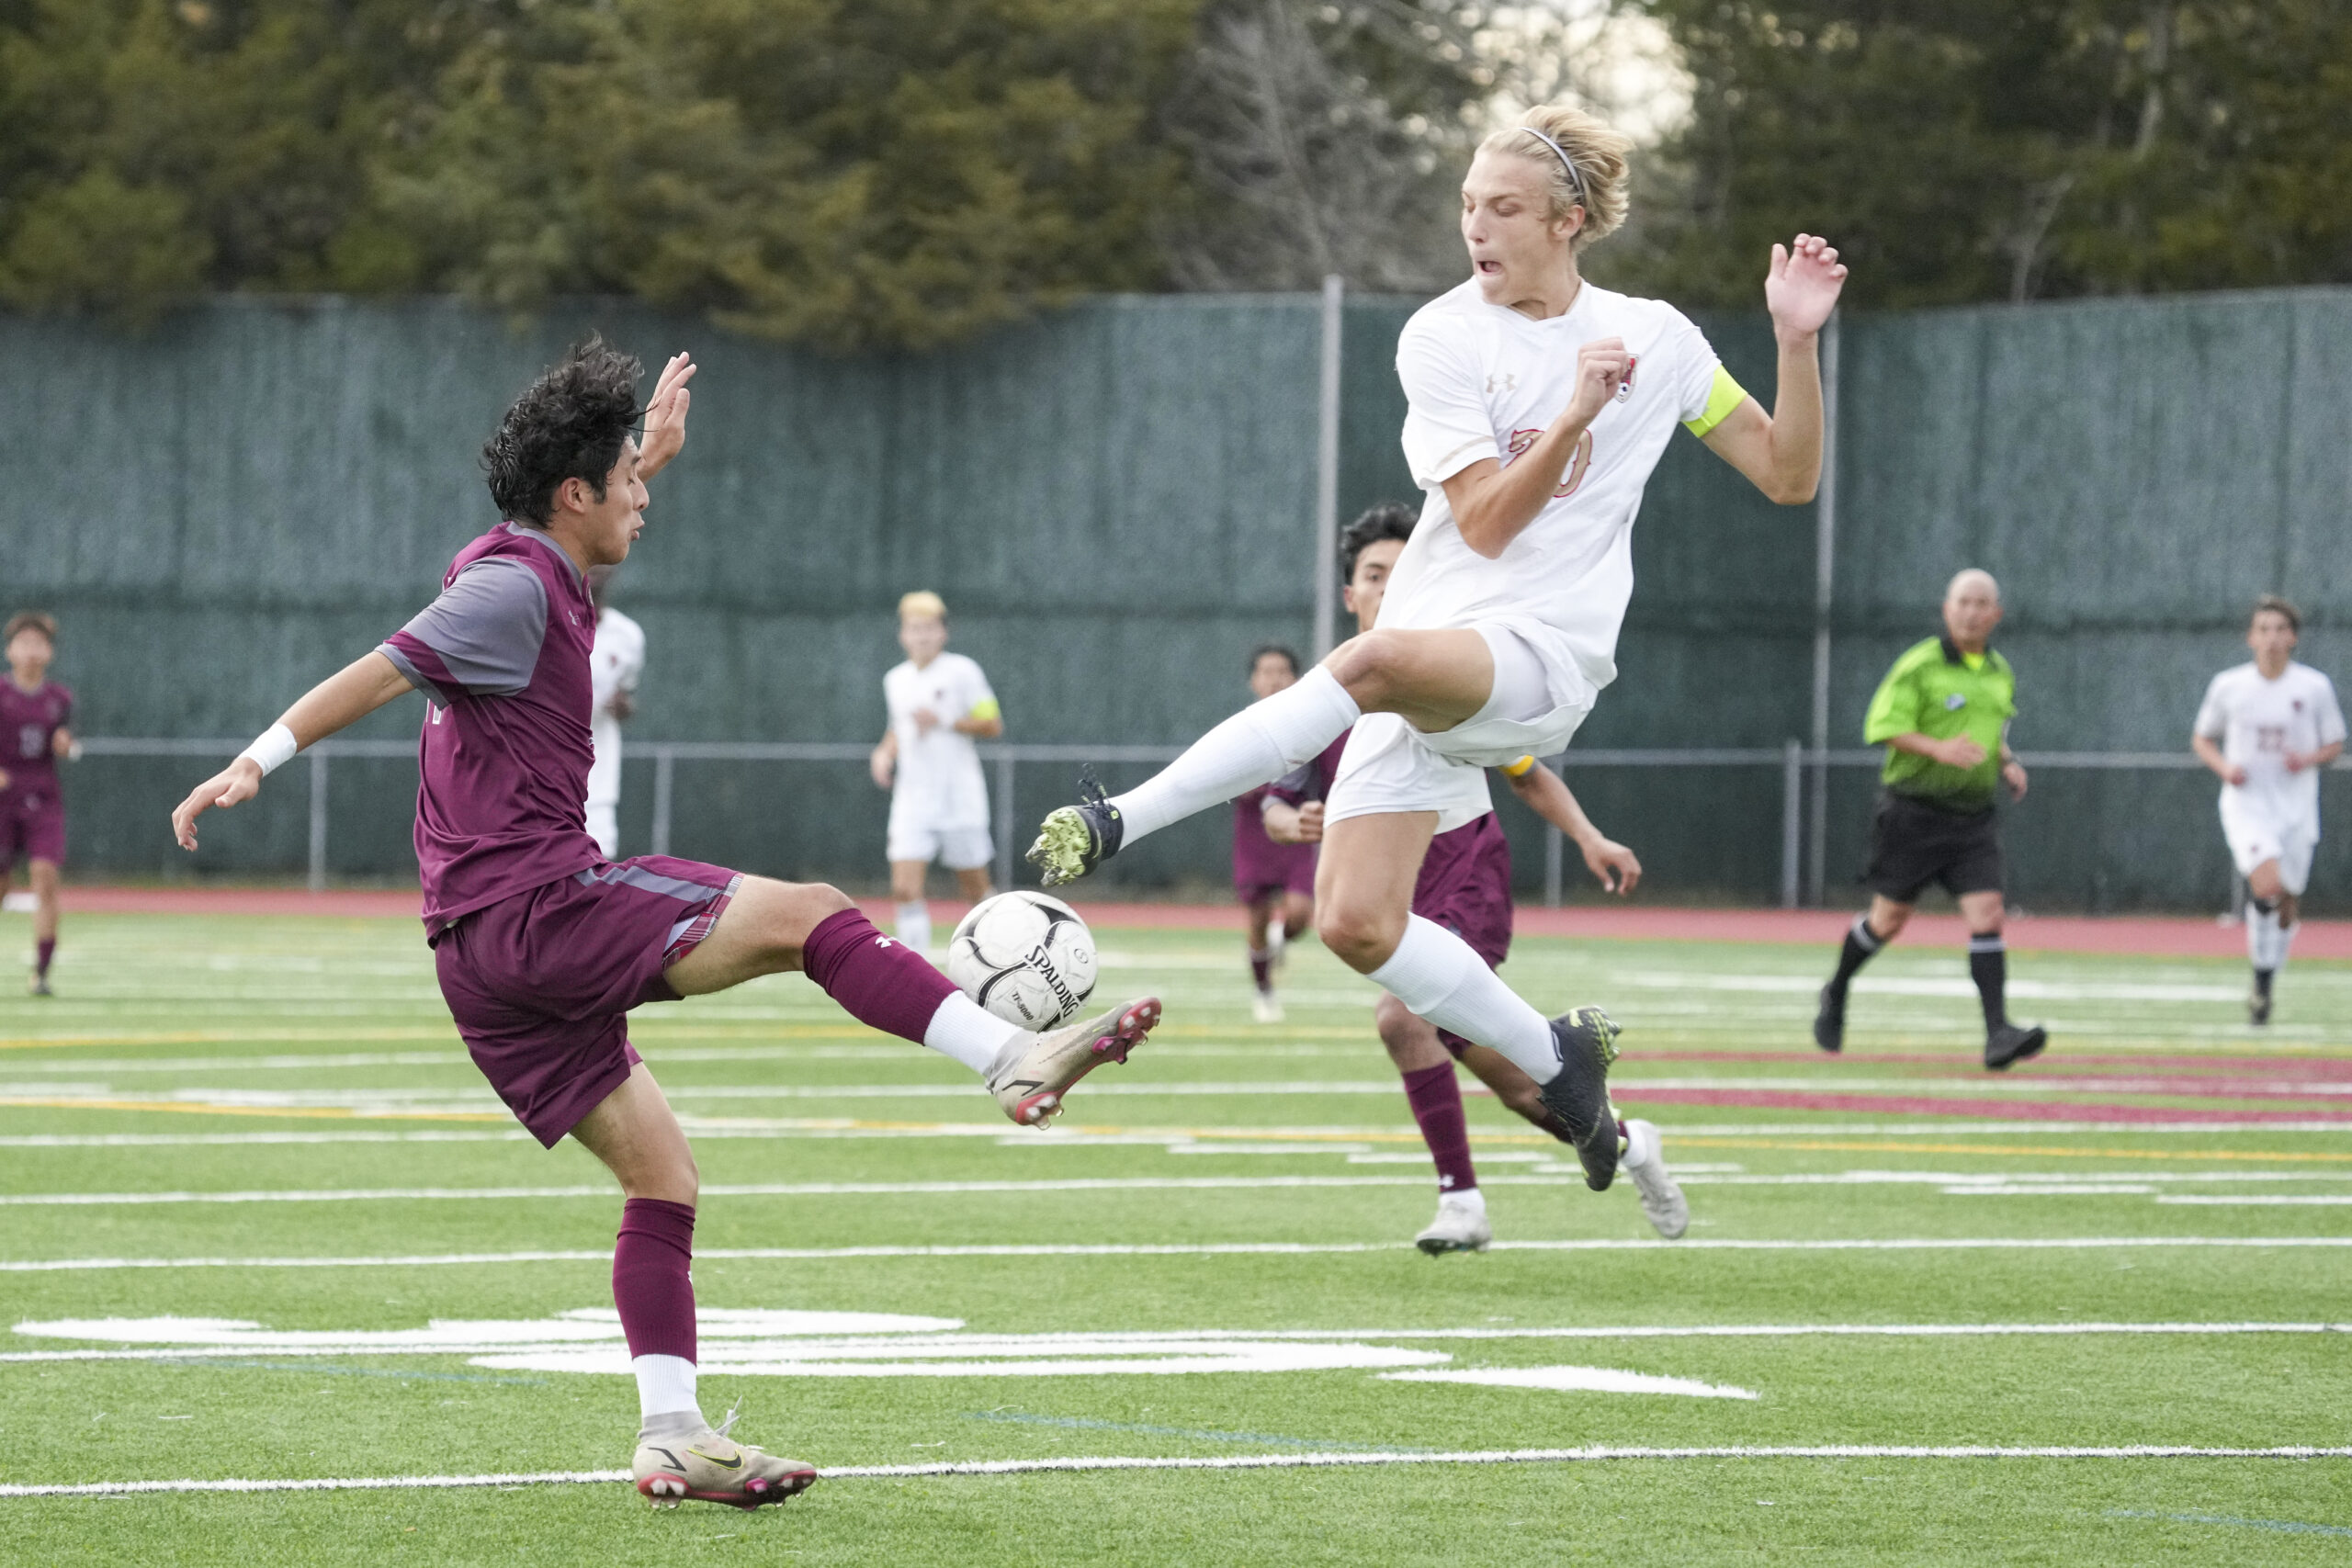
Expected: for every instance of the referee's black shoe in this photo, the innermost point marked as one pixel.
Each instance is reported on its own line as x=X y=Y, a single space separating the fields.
x=2010 y=1043
x=1579 y=1095
x=1829 y=1022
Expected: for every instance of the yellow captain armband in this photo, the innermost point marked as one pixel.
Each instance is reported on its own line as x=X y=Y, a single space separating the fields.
x=1725 y=396
x=1519 y=769
x=986 y=708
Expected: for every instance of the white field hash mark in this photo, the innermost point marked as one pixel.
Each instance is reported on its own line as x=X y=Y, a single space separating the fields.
x=1216 y=1461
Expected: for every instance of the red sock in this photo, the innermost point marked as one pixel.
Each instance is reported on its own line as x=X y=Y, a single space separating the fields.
x=45 y=950
x=1436 y=1099
x=1261 y=967
x=651 y=1285
x=876 y=980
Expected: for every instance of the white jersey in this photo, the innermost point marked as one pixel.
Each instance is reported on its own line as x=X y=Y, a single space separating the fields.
x=615 y=665
x=2257 y=722
x=1483 y=381
x=938 y=784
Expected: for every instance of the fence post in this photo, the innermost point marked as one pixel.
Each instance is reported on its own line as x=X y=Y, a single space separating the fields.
x=1004 y=827
x=1792 y=819
x=318 y=819
x=1555 y=860
x=665 y=763
x=1327 y=469
x=1825 y=557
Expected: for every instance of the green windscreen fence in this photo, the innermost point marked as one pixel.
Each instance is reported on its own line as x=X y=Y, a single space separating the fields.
x=1118 y=502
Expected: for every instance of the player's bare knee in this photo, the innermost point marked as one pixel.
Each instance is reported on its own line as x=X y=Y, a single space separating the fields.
x=1396 y=1023
x=1367 y=665
x=1361 y=938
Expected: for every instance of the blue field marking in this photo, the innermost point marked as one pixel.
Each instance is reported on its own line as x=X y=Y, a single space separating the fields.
x=1263 y=1439
x=404 y=1375
x=2289 y=1526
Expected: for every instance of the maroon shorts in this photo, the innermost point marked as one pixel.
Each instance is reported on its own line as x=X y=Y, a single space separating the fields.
x=32 y=826
x=1264 y=873
x=1466 y=886
x=542 y=983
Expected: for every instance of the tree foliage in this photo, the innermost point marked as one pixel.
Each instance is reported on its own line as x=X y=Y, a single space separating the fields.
x=1972 y=150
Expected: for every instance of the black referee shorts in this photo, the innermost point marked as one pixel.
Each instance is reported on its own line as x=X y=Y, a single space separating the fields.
x=1914 y=843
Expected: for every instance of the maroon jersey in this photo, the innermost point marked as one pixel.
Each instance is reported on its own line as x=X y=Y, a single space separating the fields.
x=1464 y=884
x=502 y=660
x=1264 y=869
x=28 y=725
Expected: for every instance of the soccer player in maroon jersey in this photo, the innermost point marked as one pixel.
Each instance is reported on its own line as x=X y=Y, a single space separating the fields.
x=1464 y=886
x=543 y=946
x=35 y=715
x=1274 y=882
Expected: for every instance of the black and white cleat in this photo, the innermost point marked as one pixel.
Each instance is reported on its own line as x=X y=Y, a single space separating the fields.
x=2010 y=1043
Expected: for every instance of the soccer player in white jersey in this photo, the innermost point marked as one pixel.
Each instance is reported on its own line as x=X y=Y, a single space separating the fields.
x=1539 y=403
x=939 y=706
x=614 y=666
x=2268 y=729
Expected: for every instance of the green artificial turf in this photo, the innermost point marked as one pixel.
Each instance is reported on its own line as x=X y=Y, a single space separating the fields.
x=262 y=1058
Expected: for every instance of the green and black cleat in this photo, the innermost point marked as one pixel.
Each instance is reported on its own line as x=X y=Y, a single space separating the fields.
x=1074 y=839
x=1578 y=1094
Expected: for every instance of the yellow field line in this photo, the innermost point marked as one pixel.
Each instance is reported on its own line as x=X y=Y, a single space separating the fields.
x=182 y=1108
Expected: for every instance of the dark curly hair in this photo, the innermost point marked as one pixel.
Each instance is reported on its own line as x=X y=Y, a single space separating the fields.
x=1390 y=520
x=568 y=425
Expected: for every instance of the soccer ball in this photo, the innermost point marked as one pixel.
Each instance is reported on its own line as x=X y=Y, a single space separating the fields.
x=1025 y=957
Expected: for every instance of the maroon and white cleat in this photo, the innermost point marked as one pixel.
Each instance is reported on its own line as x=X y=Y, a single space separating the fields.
x=1033 y=1071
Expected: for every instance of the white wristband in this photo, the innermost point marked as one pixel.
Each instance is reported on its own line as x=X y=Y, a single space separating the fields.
x=271 y=750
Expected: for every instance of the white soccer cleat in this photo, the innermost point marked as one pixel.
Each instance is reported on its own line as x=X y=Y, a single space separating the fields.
x=1662 y=1201
x=710 y=1467
x=1033 y=1071
x=1265 y=1007
x=1460 y=1226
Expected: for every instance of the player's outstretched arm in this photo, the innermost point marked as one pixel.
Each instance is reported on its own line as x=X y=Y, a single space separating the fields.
x=1781 y=452
x=336 y=703
x=1616 y=868
x=666 y=417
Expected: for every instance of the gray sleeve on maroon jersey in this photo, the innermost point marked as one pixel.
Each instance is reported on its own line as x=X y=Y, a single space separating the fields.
x=487 y=626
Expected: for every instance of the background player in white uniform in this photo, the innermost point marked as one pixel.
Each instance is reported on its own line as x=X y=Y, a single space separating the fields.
x=2268 y=729
x=1539 y=405
x=940 y=705
x=615 y=667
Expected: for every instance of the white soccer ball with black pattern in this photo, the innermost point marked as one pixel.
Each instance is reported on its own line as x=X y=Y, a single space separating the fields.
x=1025 y=957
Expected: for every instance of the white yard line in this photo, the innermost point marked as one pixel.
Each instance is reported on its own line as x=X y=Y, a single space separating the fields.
x=1218 y=1462
x=1208 y=1249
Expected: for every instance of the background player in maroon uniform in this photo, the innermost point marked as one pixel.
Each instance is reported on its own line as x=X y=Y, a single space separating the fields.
x=35 y=716
x=1464 y=886
x=542 y=946
x=1275 y=881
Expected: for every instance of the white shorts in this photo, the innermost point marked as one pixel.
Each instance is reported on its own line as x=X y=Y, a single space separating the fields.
x=604 y=827
x=2258 y=834
x=963 y=849
x=1390 y=766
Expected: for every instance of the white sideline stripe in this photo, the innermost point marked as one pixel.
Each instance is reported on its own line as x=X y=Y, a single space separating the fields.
x=2241 y=1201
x=2056 y=1184
x=1198 y=1249
x=1594 y=1379
x=460 y=1346
x=1215 y=1462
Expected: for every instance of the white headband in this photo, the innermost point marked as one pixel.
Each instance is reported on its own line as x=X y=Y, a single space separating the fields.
x=1575 y=181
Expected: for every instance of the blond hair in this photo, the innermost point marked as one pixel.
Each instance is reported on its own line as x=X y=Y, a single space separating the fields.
x=922 y=604
x=1593 y=175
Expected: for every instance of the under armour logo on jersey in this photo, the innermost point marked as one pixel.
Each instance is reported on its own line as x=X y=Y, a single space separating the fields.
x=884 y=941
x=1954 y=703
x=1509 y=379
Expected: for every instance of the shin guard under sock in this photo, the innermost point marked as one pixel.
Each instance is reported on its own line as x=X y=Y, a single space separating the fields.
x=1437 y=974
x=1988 y=965
x=1256 y=746
x=1435 y=1095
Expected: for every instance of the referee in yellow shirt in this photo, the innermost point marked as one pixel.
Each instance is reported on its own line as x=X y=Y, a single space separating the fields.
x=1943 y=714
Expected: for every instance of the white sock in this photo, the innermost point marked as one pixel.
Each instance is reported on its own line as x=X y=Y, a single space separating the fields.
x=1441 y=978
x=2263 y=948
x=1470 y=1198
x=914 y=925
x=1275 y=936
x=968 y=1031
x=1642 y=1142
x=1256 y=746
x=665 y=1384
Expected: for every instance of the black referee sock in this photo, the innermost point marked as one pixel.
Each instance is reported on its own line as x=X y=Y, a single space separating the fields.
x=1860 y=944
x=1988 y=965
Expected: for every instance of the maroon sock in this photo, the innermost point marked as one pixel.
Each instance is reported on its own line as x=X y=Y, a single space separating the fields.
x=1261 y=968
x=651 y=1285
x=42 y=952
x=1436 y=1099
x=876 y=980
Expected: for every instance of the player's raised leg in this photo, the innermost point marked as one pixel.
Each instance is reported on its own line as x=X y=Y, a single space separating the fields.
x=771 y=926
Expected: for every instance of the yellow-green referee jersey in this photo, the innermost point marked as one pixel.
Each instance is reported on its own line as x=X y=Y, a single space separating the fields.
x=1937 y=691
